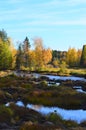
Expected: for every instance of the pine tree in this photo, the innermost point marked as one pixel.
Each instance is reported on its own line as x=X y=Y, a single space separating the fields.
x=83 y=57
x=3 y=35
x=19 y=57
x=26 y=48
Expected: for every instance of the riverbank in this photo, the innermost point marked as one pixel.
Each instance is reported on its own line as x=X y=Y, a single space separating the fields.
x=5 y=73
x=78 y=72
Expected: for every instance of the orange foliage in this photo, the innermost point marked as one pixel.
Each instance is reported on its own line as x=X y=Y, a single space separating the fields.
x=47 y=56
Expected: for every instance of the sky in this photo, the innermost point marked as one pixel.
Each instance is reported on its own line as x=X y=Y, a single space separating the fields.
x=60 y=23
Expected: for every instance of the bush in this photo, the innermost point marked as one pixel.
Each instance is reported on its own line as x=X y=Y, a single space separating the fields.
x=43 y=83
x=5 y=114
x=54 y=117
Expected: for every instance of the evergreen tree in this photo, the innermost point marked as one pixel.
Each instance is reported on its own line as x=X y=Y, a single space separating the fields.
x=3 y=35
x=83 y=57
x=19 y=57
x=26 y=48
x=26 y=45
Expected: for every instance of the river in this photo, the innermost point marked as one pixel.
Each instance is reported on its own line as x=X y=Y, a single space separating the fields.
x=56 y=77
x=51 y=77
x=75 y=115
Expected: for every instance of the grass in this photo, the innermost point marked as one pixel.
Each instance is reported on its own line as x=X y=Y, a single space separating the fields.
x=52 y=70
x=5 y=73
x=13 y=87
x=78 y=72
x=54 y=97
x=27 y=126
x=61 y=71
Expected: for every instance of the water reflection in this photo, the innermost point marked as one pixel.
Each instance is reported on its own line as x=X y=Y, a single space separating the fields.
x=52 y=77
x=20 y=103
x=76 y=115
x=65 y=78
x=53 y=83
x=79 y=89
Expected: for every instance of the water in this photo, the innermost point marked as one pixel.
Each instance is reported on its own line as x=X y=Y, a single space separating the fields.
x=53 y=83
x=76 y=115
x=79 y=89
x=52 y=77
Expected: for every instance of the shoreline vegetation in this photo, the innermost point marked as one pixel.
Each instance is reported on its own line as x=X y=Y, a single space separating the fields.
x=36 y=91
x=79 y=72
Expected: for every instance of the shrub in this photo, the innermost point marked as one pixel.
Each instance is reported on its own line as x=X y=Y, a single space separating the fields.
x=5 y=114
x=54 y=117
x=43 y=83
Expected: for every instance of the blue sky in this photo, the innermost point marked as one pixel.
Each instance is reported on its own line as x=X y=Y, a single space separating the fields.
x=60 y=23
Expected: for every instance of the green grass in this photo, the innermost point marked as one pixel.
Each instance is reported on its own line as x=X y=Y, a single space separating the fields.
x=78 y=71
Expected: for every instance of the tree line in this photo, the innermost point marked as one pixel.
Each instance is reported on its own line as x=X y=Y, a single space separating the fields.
x=37 y=58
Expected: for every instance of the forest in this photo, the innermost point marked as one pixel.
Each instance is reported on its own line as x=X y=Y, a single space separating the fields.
x=39 y=58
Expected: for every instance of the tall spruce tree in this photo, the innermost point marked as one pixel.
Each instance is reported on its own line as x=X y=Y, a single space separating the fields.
x=26 y=47
x=19 y=57
x=83 y=57
x=3 y=35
